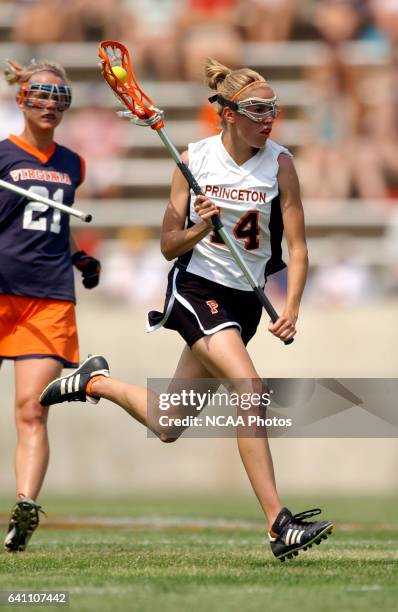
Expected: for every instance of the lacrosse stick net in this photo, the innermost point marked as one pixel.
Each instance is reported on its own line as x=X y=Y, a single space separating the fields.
x=140 y=108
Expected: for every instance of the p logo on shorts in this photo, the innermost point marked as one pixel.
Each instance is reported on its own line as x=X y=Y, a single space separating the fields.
x=213 y=305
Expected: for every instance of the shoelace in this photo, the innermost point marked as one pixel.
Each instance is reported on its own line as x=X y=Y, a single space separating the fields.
x=40 y=509
x=302 y=516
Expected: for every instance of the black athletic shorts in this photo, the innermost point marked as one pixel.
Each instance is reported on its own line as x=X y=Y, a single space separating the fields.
x=197 y=307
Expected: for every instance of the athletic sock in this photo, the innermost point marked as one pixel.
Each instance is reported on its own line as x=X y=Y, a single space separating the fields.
x=90 y=382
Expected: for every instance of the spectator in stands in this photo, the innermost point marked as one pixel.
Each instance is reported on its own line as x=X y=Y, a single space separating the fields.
x=208 y=28
x=95 y=20
x=155 y=40
x=383 y=90
x=73 y=21
x=32 y=23
x=339 y=20
x=267 y=20
x=323 y=161
x=340 y=158
x=375 y=152
x=377 y=110
x=379 y=97
x=385 y=18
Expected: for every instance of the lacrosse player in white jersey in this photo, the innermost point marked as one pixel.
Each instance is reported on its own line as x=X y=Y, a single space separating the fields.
x=251 y=182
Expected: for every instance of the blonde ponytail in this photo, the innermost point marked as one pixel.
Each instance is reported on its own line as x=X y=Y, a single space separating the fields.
x=215 y=73
x=14 y=73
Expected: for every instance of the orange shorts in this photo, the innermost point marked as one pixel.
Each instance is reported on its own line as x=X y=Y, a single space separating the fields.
x=35 y=328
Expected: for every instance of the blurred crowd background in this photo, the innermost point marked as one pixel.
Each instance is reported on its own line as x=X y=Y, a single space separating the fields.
x=334 y=65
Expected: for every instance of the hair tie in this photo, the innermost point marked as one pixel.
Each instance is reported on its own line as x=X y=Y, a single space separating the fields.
x=247 y=87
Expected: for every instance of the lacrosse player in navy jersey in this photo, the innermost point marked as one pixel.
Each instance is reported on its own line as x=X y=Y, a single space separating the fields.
x=251 y=182
x=37 y=297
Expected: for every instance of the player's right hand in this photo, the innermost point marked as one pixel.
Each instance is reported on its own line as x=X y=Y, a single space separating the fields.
x=205 y=208
x=284 y=328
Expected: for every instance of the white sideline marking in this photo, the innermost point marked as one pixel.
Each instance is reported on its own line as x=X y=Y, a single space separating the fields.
x=120 y=589
x=175 y=522
x=364 y=587
x=147 y=522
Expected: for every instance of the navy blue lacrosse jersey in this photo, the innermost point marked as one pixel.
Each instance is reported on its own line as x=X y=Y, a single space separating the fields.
x=35 y=255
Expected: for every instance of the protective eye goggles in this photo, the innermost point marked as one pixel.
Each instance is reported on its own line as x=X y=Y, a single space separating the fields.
x=256 y=109
x=39 y=95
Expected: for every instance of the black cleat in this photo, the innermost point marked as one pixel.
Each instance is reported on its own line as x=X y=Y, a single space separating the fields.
x=24 y=520
x=72 y=388
x=291 y=533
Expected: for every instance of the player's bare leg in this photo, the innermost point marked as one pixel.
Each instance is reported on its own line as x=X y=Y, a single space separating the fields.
x=32 y=452
x=135 y=399
x=91 y=381
x=225 y=356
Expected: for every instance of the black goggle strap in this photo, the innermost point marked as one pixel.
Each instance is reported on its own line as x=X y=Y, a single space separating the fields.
x=224 y=102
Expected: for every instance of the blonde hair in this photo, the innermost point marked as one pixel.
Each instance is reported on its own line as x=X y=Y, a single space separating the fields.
x=14 y=73
x=229 y=83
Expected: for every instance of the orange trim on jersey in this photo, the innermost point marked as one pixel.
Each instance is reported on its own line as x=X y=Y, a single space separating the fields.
x=82 y=170
x=42 y=156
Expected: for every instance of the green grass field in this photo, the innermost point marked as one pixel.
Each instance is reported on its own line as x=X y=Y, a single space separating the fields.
x=206 y=553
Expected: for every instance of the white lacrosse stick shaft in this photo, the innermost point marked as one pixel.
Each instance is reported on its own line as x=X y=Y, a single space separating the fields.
x=68 y=210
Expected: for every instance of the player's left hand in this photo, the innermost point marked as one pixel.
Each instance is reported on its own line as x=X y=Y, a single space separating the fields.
x=285 y=327
x=89 y=267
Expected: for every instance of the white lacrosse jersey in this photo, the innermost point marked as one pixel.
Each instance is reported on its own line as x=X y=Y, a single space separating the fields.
x=247 y=197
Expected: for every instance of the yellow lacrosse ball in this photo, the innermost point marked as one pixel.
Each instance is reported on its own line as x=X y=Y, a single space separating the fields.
x=120 y=73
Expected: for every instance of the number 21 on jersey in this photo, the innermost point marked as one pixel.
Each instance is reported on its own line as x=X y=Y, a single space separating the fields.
x=41 y=223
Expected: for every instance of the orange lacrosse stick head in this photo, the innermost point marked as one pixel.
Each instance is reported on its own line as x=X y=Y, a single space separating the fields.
x=142 y=110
